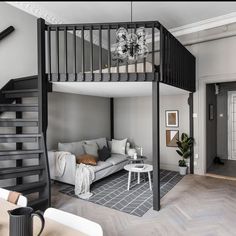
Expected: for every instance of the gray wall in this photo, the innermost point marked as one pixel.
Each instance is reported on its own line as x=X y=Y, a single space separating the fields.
x=18 y=50
x=133 y=120
x=211 y=125
x=75 y=117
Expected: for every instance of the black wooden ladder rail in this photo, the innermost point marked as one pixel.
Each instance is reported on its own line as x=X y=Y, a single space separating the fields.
x=12 y=97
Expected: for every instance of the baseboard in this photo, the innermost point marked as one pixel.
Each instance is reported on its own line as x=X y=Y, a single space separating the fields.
x=172 y=167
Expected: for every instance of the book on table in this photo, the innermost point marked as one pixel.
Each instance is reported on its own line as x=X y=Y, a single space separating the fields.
x=138 y=167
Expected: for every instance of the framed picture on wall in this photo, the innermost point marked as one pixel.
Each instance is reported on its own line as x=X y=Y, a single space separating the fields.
x=171 y=138
x=211 y=112
x=172 y=118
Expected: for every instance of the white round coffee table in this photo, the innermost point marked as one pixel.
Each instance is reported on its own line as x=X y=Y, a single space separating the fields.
x=147 y=169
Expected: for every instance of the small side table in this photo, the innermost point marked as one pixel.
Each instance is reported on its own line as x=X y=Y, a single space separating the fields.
x=147 y=169
x=140 y=159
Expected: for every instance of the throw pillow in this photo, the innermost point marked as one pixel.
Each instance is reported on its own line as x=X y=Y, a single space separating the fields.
x=91 y=149
x=104 y=153
x=118 y=146
x=87 y=160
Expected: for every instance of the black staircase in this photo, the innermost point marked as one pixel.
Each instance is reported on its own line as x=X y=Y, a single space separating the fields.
x=21 y=120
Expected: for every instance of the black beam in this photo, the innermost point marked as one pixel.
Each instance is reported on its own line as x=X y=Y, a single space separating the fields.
x=156 y=145
x=107 y=77
x=105 y=26
x=6 y=32
x=112 y=117
x=191 y=131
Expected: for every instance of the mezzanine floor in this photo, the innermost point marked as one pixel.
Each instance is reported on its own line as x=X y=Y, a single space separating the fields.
x=197 y=205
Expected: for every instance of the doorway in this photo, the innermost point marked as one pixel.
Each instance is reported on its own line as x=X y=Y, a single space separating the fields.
x=221 y=129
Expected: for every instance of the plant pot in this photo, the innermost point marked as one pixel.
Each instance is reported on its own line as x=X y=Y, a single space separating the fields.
x=183 y=170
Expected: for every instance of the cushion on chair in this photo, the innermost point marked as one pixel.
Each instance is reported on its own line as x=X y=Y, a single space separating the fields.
x=75 y=148
x=104 y=153
x=101 y=142
x=118 y=146
x=91 y=149
x=116 y=159
x=86 y=159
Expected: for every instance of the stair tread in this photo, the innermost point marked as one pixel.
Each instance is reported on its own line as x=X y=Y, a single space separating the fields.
x=9 y=170
x=21 y=120
x=19 y=135
x=19 y=105
x=26 y=186
x=19 y=152
x=37 y=201
x=20 y=91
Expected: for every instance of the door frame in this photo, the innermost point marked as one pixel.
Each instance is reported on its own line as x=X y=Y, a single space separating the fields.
x=229 y=98
x=200 y=100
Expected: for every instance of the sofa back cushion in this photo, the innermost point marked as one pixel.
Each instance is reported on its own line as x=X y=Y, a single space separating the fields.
x=91 y=149
x=101 y=142
x=75 y=148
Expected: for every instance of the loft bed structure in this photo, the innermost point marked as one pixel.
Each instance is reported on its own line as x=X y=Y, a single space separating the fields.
x=83 y=53
x=63 y=57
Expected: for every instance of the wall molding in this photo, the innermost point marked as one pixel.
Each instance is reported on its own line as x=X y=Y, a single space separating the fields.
x=33 y=9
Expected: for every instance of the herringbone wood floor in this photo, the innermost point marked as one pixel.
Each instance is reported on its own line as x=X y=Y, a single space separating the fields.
x=197 y=205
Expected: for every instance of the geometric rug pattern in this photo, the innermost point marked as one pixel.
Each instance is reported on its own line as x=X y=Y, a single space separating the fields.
x=112 y=191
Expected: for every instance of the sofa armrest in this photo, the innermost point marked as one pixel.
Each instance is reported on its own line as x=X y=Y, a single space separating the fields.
x=69 y=174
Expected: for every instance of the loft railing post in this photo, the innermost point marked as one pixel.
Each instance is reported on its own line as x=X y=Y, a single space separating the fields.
x=42 y=80
x=43 y=106
x=156 y=144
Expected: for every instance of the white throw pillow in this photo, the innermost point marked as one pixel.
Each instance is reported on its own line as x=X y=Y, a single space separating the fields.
x=118 y=146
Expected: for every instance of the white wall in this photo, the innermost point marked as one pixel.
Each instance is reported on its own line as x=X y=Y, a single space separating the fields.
x=73 y=117
x=18 y=51
x=133 y=120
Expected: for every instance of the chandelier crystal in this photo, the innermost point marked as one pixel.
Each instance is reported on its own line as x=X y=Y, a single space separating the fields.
x=131 y=46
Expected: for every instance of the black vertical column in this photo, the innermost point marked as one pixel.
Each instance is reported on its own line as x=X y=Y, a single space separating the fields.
x=190 y=102
x=156 y=145
x=112 y=117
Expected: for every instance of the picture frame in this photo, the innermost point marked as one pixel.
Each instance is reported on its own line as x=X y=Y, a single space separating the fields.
x=172 y=118
x=211 y=112
x=171 y=138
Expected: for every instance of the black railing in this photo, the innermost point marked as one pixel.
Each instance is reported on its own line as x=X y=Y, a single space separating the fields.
x=83 y=52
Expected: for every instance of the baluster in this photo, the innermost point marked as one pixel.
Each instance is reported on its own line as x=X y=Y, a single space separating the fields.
x=57 y=54
x=49 y=54
x=82 y=52
x=91 y=51
x=74 y=51
x=65 y=53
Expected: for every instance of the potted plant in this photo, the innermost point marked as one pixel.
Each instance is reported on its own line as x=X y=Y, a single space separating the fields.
x=184 y=151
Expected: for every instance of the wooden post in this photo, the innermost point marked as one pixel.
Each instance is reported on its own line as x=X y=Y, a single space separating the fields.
x=156 y=145
x=112 y=117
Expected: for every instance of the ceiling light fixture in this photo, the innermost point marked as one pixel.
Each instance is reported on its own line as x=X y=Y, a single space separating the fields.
x=131 y=47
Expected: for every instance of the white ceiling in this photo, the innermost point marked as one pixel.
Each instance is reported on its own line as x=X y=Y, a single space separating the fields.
x=170 y=14
x=114 y=89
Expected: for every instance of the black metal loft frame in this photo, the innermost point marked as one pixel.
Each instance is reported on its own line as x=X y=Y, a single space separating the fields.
x=177 y=68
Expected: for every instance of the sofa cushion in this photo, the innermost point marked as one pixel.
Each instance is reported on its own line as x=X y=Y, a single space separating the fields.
x=101 y=165
x=104 y=153
x=116 y=159
x=91 y=149
x=75 y=148
x=118 y=146
x=101 y=142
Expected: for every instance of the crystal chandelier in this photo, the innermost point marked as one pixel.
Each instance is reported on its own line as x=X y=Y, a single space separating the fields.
x=131 y=46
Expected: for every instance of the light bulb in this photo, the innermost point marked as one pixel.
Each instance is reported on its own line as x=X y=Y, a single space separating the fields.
x=121 y=34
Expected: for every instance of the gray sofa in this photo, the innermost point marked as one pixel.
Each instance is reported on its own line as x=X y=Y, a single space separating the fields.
x=103 y=169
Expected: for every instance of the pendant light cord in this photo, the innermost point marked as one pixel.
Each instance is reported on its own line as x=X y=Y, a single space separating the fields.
x=131 y=11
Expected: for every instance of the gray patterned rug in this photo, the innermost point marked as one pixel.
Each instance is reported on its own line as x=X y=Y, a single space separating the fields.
x=112 y=191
